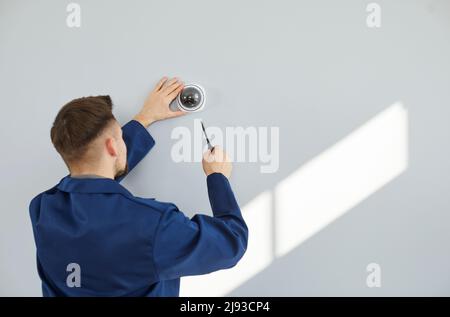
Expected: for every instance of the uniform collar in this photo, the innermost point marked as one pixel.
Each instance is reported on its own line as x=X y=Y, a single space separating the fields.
x=91 y=185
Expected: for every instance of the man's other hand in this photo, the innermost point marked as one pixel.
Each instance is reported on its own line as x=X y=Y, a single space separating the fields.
x=216 y=161
x=156 y=106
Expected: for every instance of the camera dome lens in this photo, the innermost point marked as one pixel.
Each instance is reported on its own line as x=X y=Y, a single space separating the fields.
x=191 y=97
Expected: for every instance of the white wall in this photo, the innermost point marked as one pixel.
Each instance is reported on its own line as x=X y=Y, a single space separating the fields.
x=312 y=68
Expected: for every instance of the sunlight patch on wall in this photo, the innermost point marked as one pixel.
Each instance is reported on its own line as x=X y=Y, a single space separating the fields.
x=341 y=177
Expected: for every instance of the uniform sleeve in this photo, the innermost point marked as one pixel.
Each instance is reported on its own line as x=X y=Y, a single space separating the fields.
x=202 y=244
x=138 y=141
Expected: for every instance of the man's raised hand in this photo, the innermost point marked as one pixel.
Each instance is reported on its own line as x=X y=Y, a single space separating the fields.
x=156 y=106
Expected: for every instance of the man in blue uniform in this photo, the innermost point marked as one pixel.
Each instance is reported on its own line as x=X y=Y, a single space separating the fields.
x=94 y=238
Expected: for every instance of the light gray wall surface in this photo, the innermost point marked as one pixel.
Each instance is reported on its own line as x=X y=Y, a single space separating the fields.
x=312 y=68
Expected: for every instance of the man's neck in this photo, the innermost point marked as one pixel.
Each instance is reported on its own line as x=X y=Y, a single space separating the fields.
x=84 y=173
x=87 y=176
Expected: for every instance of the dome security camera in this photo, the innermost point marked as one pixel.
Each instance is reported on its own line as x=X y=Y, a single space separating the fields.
x=192 y=98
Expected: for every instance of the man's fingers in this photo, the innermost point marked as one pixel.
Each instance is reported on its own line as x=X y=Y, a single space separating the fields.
x=160 y=83
x=216 y=154
x=176 y=90
x=178 y=113
x=208 y=156
x=167 y=86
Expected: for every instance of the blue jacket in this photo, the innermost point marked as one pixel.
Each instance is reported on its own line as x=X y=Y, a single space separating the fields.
x=122 y=245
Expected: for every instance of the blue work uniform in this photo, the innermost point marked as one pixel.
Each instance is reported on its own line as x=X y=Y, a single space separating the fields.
x=94 y=238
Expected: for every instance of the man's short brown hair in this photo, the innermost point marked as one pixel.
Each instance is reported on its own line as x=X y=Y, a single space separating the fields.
x=78 y=123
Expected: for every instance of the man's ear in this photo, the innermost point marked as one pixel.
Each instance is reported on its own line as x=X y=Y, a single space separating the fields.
x=111 y=146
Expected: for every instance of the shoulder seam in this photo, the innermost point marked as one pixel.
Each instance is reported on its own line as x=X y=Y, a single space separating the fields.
x=141 y=203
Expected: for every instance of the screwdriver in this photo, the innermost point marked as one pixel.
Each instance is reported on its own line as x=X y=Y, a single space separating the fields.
x=210 y=147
